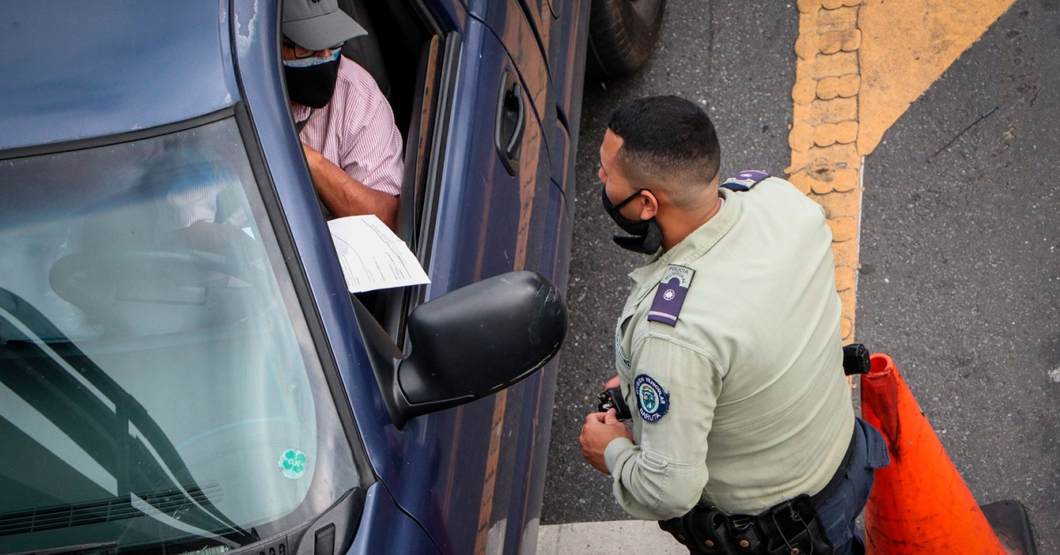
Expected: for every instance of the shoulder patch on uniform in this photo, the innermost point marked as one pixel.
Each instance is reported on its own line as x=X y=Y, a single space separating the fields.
x=745 y=180
x=652 y=401
x=670 y=295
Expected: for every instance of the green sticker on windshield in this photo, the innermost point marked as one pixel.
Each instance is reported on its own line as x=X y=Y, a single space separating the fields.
x=293 y=463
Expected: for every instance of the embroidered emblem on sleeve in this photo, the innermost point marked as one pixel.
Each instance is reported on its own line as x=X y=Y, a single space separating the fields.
x=670 y=295
x=652 y=401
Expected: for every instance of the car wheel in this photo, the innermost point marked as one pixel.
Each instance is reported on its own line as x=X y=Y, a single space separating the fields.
x=622 y=34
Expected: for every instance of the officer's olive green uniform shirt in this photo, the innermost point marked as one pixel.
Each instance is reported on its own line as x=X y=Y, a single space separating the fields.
x=755 y=407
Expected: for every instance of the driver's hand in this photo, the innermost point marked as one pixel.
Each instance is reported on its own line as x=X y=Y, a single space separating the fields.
x=226 y=240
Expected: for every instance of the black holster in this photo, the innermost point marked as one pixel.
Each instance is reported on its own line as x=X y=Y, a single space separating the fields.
x=789 y=528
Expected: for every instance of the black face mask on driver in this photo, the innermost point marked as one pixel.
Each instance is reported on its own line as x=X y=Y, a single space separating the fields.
x=645 y=236
x=311 y=85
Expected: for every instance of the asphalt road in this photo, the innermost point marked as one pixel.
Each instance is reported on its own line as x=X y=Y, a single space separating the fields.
x=960 y=254
x=960 y=250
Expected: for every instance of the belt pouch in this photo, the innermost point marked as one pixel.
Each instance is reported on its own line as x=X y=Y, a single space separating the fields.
x=793 y=528
x=702 y=531
x=746 y=538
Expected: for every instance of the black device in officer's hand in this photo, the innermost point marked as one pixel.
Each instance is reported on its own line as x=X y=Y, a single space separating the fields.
x=611 y=398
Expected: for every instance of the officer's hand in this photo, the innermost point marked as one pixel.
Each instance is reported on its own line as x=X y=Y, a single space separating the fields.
x=599 y=430
x=613 y=382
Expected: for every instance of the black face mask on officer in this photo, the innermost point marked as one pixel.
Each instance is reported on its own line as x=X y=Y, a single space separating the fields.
x=311 y=81
x=645 y=236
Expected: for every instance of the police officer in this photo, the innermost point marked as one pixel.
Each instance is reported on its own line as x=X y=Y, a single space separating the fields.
x=728 y=350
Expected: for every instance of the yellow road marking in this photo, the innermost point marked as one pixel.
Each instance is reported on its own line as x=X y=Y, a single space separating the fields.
x=861 y=63
x=907 y=45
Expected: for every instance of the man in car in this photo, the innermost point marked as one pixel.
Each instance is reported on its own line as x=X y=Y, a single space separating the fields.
x=728 y=351
x=347 y=128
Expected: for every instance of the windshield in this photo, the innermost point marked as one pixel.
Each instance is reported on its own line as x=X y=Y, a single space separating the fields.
x=159 y=389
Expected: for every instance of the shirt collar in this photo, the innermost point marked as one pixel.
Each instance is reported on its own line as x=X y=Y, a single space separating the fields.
x=300 y=113
x=696 y=244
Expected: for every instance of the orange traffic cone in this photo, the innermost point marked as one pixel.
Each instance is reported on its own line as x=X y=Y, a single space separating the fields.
x=919 y=504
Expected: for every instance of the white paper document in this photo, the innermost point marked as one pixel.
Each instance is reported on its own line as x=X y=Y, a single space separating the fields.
x=372 y=256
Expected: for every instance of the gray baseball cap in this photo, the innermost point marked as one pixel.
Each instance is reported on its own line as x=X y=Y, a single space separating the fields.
x=318 y=24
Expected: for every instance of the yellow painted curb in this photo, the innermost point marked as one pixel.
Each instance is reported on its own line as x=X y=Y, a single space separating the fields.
x=825 y=163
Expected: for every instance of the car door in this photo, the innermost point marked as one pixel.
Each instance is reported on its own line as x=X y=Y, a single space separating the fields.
x=487 y=205
x=478 y=201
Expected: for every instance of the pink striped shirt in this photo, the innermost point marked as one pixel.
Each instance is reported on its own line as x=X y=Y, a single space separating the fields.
x=356 y=130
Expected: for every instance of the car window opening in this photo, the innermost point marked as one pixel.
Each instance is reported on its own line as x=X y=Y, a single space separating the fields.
x=402 y=54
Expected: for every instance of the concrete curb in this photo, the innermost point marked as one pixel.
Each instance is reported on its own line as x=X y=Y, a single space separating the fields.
x=607 y=538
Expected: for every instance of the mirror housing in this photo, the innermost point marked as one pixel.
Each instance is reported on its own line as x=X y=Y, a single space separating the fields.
x=467 y=344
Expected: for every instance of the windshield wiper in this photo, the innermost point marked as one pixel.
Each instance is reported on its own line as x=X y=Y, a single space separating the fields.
x=102 y=548
x=98 y=420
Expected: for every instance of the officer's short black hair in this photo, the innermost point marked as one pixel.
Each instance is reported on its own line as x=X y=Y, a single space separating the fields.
x=668 y=142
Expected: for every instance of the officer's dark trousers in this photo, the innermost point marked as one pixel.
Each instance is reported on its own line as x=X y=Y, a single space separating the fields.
x=839 y=513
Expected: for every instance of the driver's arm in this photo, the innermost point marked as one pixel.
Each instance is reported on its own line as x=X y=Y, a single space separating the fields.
x=345 y=196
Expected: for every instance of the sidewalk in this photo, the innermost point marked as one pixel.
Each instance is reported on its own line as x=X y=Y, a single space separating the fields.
x=607 y=538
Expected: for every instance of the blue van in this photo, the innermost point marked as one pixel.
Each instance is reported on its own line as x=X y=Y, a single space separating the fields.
x=168 y=388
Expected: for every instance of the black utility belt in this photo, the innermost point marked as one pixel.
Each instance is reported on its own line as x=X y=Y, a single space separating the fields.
x=789 y=528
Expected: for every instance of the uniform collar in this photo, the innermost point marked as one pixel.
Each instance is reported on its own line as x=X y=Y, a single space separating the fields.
x=696 y=244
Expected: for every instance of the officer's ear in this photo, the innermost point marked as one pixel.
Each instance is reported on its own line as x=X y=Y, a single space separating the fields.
x=649 y=204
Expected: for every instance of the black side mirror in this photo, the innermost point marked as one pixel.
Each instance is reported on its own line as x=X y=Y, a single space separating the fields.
x=467 y=344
